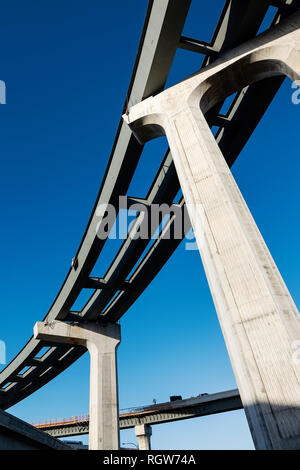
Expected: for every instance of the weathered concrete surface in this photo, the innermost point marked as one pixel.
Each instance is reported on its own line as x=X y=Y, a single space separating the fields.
x=259 y=319
x=102 y=342
x=16 y=434
x=143 y=433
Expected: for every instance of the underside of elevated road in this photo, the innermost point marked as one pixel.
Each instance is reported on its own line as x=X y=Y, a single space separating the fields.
x=138 y=261
x=202 y=405
x=16 y=434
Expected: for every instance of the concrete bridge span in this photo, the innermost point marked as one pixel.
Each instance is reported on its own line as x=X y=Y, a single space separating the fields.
x=137 y=263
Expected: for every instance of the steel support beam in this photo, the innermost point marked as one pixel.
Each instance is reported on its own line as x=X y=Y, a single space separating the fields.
x=251 y=299
x=200 y=47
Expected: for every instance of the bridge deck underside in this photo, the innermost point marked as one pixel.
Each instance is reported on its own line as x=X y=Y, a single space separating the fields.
x=161 y=37
x=157 y=414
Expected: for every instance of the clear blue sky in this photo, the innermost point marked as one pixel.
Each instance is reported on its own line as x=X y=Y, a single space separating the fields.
x=67 y=66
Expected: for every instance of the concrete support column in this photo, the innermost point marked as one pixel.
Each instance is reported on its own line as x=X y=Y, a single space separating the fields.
x=102 y=342
x=143 y=433
x=259 y=320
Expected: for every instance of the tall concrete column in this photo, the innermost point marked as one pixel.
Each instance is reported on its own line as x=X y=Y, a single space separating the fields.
x=102 y=342
x=259 y=319
x=143 y=433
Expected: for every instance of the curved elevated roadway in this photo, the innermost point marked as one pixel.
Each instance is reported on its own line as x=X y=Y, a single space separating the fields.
x=138 y=261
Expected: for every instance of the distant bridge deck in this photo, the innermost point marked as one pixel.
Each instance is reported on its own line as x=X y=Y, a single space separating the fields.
x=193 y=407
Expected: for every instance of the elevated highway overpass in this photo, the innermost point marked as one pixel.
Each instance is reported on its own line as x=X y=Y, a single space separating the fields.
x=138 y=261
x=194 y=407
x=114 y=292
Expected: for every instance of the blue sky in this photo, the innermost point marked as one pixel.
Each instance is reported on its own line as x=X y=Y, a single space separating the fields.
x=67 y=66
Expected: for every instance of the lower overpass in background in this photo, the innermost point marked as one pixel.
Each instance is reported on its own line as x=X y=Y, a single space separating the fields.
x=193 y=407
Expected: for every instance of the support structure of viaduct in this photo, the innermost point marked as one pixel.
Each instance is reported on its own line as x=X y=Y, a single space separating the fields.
x=259 y=320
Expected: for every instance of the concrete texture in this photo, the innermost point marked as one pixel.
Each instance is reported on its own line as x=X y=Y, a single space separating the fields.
x=154 y=414
x=102 y=342
x=259 y=319
x=16 y=434
x=143 y=433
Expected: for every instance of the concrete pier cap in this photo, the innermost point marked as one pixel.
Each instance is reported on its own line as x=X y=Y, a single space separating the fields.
x=102 y=341
x=77 y=334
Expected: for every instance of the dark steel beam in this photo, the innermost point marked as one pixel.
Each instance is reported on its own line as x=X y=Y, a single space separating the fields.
x=194 y=45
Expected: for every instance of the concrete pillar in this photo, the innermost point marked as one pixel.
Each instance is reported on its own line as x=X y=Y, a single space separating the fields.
x=102 y=342
x=259 y=319
x=143 y=433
